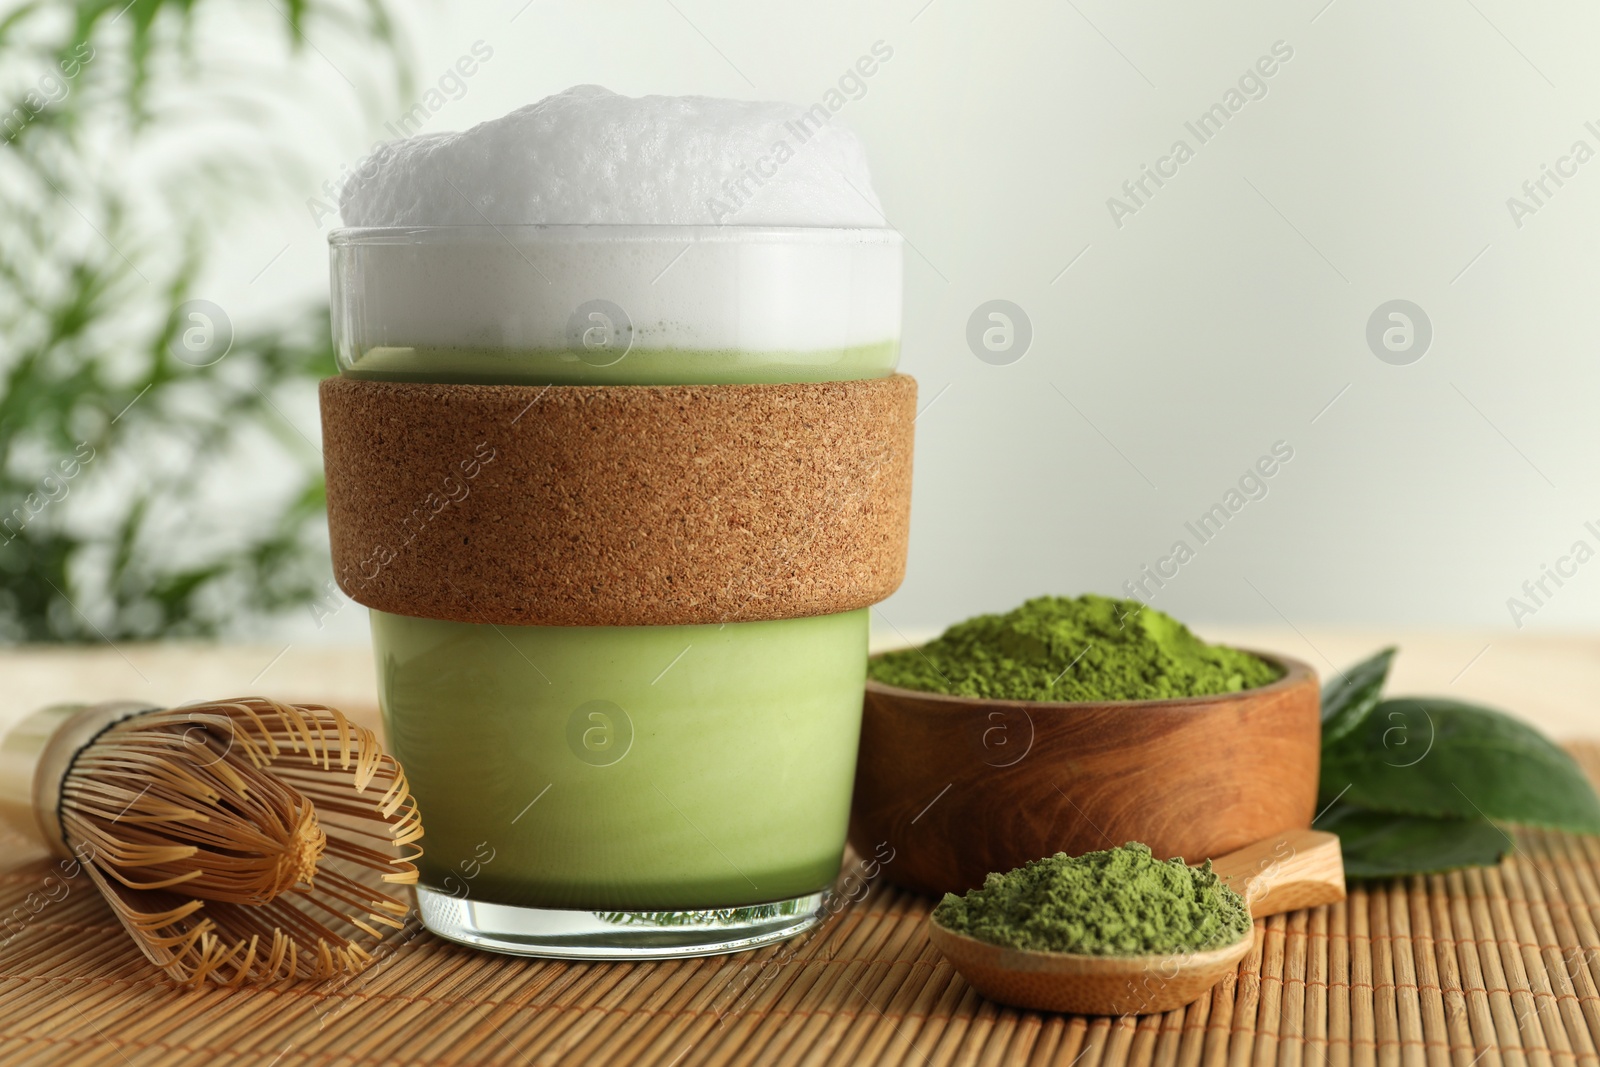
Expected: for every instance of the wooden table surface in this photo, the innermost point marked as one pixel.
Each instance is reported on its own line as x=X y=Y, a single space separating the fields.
x=1491 y=968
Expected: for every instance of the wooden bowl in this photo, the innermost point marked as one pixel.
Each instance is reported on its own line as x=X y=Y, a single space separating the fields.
x=959 y=786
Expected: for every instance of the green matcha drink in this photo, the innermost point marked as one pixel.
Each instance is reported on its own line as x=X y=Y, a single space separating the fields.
x=659 y=366
x=667 y=767
x=634 y=768
x=644 y=768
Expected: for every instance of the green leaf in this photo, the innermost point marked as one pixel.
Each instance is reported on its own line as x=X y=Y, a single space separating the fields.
x=1348 y=699
x=1430 y=756
x=1380 y=844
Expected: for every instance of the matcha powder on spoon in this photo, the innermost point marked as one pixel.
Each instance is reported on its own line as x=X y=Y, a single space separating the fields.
x=1063 y=649
x=1120 y=902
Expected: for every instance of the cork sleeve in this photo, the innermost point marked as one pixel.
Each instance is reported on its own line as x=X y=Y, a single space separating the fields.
x=618 y=505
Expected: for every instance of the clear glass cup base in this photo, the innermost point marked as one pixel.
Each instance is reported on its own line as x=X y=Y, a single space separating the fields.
x=636 y=935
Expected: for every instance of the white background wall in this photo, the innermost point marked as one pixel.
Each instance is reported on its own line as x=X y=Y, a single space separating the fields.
x=1227 y=314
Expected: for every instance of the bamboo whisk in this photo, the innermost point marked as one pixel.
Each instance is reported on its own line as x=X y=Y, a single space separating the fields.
x=237 y=841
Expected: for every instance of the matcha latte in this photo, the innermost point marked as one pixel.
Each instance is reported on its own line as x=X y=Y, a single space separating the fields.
x=620 y=791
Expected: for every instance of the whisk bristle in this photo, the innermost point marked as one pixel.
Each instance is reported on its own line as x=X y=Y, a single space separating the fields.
x=245 y=840
x=301 y=852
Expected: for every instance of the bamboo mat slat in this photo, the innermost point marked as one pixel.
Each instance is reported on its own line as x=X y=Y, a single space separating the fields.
x=1477 y=968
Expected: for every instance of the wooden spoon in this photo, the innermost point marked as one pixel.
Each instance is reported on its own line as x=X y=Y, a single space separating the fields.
x=1299 y=869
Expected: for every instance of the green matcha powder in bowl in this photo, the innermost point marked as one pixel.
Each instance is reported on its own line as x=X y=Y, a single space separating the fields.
x=1092 y=648
x=1120 y=902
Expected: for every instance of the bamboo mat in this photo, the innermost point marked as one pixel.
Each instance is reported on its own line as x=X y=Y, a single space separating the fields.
x=1493 y=967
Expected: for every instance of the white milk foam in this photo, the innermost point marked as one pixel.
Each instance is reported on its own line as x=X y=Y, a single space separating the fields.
x=588 y=156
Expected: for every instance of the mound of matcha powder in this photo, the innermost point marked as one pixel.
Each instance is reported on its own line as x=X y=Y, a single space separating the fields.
x=1060 y=648
x=1120 y=902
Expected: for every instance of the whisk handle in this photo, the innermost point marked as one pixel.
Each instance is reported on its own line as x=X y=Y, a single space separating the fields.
x=35 y=755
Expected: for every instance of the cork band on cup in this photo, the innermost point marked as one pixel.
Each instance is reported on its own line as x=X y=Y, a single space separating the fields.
x=618 y=505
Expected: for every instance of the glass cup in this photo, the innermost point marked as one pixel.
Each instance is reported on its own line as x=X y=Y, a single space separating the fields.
x=617 y=792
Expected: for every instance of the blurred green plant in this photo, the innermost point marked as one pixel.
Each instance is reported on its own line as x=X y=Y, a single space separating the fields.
x=108 y=441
